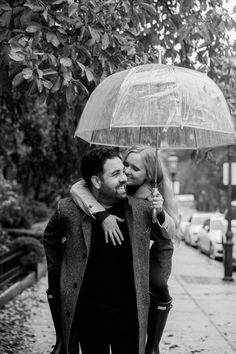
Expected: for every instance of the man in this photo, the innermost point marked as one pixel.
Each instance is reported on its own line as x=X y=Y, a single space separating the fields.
x=98 y=293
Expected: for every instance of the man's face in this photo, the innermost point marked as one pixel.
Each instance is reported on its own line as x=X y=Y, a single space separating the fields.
x=113 y=181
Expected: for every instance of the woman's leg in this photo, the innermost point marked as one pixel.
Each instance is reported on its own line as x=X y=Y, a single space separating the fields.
x=160 y=268
x=160 y=300
x=158 y=280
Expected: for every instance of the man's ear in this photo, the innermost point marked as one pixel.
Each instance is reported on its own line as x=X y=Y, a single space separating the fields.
x=96 y=182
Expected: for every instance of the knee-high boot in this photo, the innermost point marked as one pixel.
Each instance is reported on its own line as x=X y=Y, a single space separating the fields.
x=157 y=318
x=55 y=307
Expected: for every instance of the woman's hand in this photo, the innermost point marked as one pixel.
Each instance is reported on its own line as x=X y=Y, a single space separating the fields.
x=156 y=201
x=112 y=230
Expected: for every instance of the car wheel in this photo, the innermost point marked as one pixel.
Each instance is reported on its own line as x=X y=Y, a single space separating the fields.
x=212 y=252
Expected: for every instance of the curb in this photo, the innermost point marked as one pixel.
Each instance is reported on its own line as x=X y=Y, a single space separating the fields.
x=29 y=280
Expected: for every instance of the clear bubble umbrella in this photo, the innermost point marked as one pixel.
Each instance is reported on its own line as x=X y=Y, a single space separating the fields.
x=164 y=106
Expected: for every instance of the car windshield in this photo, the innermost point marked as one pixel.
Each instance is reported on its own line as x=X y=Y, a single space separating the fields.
x=198 y=219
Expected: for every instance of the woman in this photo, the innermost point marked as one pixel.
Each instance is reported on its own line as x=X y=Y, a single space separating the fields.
x=139 y=162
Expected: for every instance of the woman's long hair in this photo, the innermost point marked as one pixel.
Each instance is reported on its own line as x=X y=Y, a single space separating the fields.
x=148 y=155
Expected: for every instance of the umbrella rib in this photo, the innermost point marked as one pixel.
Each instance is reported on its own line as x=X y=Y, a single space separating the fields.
x=140 y=134
x=156 y=160
x=92 y=136
x=194 y=131
x=174 y=126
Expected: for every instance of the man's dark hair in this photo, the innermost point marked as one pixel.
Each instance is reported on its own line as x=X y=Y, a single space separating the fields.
x=93 y=161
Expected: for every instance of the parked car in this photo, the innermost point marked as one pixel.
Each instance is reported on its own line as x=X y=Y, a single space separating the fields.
x=210 y=236
x=186 y=206
x=182 y=228
x=194 y=225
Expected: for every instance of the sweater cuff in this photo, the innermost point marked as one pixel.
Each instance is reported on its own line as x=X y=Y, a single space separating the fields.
x=161 y=217
x=101 y=216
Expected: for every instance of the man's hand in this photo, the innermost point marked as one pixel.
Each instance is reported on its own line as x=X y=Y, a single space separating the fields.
x=112 y=230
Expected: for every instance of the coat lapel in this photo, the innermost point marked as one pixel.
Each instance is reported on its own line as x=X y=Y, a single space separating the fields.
x=129 y=219
x=87 y=230
x=132 y=213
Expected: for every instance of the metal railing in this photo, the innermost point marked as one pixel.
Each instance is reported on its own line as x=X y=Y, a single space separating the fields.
x=10 y=266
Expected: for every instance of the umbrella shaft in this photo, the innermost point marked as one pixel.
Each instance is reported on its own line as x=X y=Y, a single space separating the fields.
x=156 y=162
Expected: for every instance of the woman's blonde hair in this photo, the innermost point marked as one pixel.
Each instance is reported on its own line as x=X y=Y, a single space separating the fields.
x=149 y=159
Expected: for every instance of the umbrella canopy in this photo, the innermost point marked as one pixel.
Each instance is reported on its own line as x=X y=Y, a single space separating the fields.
x=165 y=106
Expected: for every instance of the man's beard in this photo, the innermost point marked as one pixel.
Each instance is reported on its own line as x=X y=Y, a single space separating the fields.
x=119 y=193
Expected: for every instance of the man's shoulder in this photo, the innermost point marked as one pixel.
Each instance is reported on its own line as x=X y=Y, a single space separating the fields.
x=138 y=202
x=141 y=212
x=65 y=202
x=141 y=206
x=67 y=206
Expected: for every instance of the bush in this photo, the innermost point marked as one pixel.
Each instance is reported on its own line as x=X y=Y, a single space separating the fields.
x=6 y=242
x=34 y=250
x=16 y=211
x=10 y=204
x=36 y=211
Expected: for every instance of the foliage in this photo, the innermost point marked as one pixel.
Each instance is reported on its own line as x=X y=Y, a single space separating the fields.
x=33 y=248
x=10 y=206
x=203 y=177
x=16 y=211
x=38 y=147
x=38 y=211
x=48 y=143
x=224 y=74
x=34 y=251
x=6 y=242
x=67 y=46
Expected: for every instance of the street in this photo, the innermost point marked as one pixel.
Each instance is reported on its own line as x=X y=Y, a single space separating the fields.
x=203 y=318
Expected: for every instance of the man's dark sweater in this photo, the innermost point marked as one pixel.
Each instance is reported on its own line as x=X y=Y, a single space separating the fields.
x=109 y=279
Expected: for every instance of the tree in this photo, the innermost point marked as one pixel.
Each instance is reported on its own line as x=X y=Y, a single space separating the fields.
x=68 y=46
x=203 y=179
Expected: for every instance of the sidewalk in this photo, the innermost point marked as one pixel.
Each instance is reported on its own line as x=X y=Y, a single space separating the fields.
x=25 y=323
x=203 y=318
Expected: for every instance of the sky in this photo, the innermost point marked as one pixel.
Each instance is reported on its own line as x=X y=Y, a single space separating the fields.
x=229 y=5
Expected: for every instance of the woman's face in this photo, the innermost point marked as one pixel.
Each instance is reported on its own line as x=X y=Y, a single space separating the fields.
x=134 y=169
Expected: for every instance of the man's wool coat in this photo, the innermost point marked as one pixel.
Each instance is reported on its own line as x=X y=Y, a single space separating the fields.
x=66 y=265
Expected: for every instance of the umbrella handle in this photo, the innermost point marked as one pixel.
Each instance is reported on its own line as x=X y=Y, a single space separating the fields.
x=154 y=210
x=154 y=215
